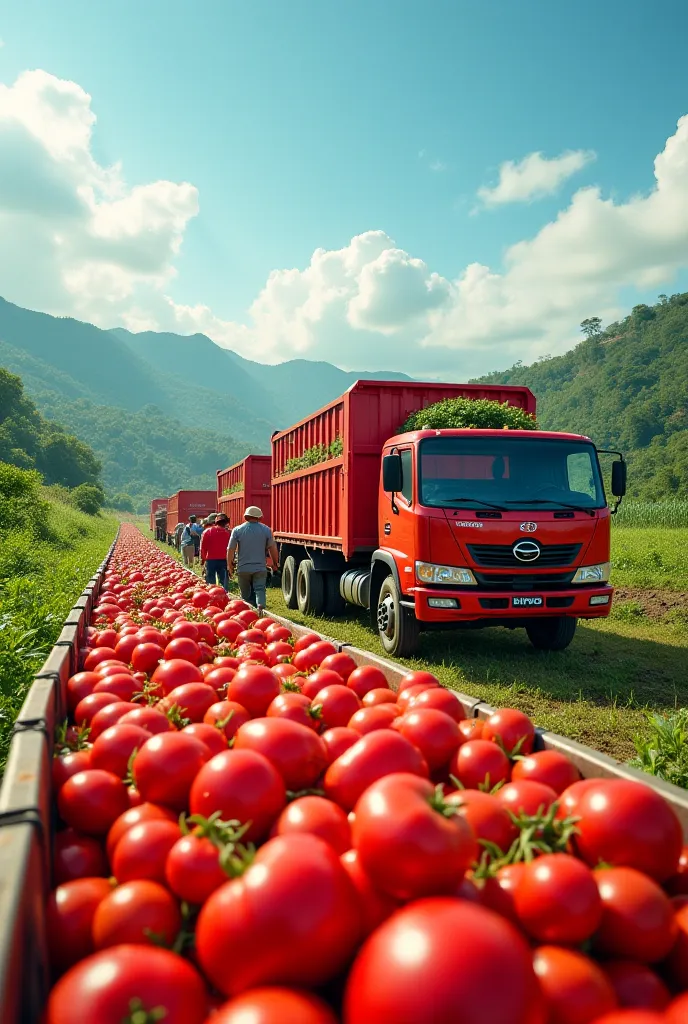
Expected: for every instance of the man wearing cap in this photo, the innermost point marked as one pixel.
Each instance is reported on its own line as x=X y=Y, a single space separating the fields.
x=186 y=542
x=214 y=544
x=196 y=533
x=254 y=542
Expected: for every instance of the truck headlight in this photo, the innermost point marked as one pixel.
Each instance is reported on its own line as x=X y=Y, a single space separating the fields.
x=427 y=572
x=593 y=573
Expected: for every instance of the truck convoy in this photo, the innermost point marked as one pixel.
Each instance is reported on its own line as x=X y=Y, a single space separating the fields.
x=158 y=518
x=185 y=503
x=438 y=529
x=245 y=483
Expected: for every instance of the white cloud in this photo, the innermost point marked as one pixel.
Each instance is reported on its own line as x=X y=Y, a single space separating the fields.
x=438 y=166
x=76 y=239
x=533 y=177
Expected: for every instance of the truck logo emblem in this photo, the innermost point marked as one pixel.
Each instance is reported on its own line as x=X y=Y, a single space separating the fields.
x=527 y=550
x=528 y=527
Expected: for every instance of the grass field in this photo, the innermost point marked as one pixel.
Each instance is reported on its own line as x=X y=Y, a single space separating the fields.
x=599 y=690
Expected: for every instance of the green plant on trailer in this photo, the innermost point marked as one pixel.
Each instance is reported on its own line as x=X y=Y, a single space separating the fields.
x=463 y=413
x=233 y=489
x=314 y=456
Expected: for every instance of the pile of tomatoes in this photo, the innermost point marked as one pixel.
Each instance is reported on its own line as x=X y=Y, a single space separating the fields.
x=254 y=830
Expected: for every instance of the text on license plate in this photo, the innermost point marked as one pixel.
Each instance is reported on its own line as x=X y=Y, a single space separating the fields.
x=526 y=602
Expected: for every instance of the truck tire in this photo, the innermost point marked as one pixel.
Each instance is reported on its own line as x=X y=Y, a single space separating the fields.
x=334 y=602
x=397 y=626
x=310 y=589
x=289 y=570
x=552 y=634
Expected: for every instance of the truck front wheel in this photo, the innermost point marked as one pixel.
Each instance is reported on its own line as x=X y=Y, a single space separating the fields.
x=552 y=634
x=397 y=626
x=310 y=589
x=289 y=570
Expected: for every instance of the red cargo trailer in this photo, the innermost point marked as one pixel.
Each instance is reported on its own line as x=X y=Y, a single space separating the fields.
x=185 y=503
x=155 y=505
x=245 y=483
x=435 y=528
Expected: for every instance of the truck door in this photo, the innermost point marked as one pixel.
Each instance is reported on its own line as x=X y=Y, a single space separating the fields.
x=399 y=528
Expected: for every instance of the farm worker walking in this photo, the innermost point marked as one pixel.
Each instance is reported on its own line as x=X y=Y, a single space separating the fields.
x=254 y=542
x=214 y=544
x=186 y=543
x=196 y=532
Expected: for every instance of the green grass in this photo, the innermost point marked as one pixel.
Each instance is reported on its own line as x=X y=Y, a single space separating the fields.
x=42 y=572
x=672 y=513
x=600 y=690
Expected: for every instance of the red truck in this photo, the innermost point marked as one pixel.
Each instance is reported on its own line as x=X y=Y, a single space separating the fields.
x=441 y=528
x=157 y=506
x=245 y=483
x=185 y=503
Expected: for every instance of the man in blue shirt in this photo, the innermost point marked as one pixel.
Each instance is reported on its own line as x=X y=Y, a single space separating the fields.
x=253 y=541
x=196 y=533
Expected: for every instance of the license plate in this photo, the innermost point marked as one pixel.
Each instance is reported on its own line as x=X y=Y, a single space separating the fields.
x=526 y=602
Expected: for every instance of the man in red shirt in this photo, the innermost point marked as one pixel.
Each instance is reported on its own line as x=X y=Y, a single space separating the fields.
x=214 y=544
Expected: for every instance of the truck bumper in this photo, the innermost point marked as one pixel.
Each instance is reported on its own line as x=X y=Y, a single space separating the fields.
x=473 y=604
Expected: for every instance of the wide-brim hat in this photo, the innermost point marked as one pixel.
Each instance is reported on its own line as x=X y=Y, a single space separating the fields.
x=254 y=512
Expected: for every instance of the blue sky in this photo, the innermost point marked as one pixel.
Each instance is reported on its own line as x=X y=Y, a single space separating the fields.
x=304 y=124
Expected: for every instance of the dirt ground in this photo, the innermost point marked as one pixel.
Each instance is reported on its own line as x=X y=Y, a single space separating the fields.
x=656 y=604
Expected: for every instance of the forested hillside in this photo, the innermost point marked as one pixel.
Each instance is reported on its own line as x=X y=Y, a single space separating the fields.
x=627 y=387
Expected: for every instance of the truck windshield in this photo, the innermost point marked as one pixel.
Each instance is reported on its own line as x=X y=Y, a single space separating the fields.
x=509 y=472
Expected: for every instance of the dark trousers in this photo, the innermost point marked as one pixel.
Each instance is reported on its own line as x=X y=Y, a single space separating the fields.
x=216 y=570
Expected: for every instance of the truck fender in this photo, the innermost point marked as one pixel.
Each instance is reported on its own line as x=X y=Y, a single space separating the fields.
x=382 y=565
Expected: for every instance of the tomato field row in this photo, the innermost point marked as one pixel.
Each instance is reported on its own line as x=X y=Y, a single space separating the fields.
x=254 y=826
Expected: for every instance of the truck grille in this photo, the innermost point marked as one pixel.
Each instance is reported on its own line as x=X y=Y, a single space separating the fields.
x=498 y=555
x=522 y=581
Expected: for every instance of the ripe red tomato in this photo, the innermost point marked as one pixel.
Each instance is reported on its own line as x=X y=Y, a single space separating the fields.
x=317 y=681
x=434 y=962
x=136 y=912
x=183 y=648
x=298 y=708
x=214 y=739
x=677 y=885
x=557 y=901
x=109 y=716
x=631 y=1017
x=338 y=740
x=242 y=785
x=218 y=677
x=314 y=655
x=488 y=819
x=381 y=695
x=440 y=699
x=69 y=920
x=318 y=817
x=275 y=1006
x=380 y=716
x=175 y=672
x=145 y=657
x=254 y=687
x=292 y=919
x=66 y=765
x=338 y=703
x=677 y=1012
x=228 y=716
x=87 y=708
x=637 y=916
x=375 y=906
x=103 y=988
x=366 y=678
x=627 y=824
x=374 y=755
x=513 y=730
x=471 y=729
x=193 y=700
x=79 y=686
x=637 y=986
x=193 y=870
x=135 y=816
x=480 y=764
x=97 y=657
x=298 y=754
x=113 y=749
x=405 y=844
x=526 y=797
x=435 y=734
x=142 y=851
x=549 y=767
x=148 y=718
x=123 y=685
x=418 y=678
x=77 y=856
x=576 y=990
x=306 y=640
x=91 y=801
x=229 y=629
x=166 y=766
x=341 y=663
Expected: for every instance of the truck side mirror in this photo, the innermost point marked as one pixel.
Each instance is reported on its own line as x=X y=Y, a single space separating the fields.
x=391 y=473
x=618 y=479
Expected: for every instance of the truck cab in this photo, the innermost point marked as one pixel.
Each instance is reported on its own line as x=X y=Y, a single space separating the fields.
x=491 y=527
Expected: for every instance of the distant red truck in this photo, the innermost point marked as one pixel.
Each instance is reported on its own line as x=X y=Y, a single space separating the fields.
x=185 y=503
x=155 y=506
x=243 y=484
